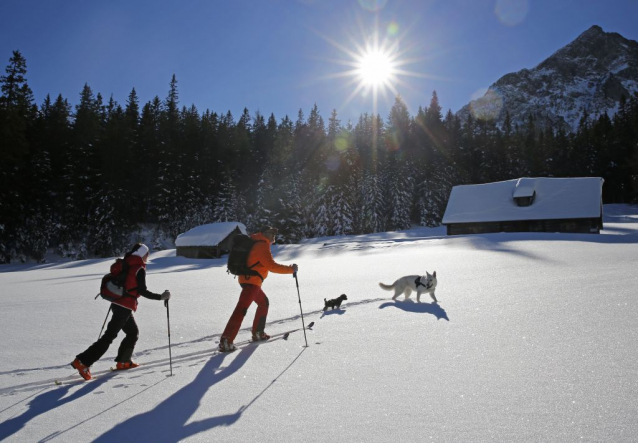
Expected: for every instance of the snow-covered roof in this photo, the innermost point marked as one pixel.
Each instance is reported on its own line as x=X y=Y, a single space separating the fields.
x=556 y=198
x=208 y=235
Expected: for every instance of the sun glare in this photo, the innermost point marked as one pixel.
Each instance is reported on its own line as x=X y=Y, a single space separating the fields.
x=375 y=68
x=376 y=63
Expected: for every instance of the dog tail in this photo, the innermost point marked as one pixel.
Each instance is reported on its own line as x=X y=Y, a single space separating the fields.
x=386 y=287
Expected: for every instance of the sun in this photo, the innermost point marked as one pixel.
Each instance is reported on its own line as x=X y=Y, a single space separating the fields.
x=375 y=63
x=375 y=68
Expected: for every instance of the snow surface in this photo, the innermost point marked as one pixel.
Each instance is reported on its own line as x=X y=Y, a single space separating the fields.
x=556 y=198
x=534 y=339
x=208 y=235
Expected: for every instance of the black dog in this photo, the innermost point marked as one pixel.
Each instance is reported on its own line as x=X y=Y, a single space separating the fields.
x=335 y=302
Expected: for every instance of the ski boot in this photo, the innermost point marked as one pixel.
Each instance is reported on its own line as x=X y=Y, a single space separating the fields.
x=122 y=365
x=260 y=336
x=84 y=370
x=225 y=345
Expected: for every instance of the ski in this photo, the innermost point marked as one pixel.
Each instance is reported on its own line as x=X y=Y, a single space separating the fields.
x=280 y=336
x=72 y=379
x=114 y=369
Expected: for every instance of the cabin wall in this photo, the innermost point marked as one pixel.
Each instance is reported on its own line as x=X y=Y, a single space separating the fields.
x=197 y=251
x=574 y=225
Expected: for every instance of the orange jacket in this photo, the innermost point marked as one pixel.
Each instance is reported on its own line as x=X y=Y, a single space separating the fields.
x=261 y=254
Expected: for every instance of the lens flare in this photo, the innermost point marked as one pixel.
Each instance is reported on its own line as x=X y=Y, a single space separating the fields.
x=511 y=12
x=393 y=29
x=341 y=143
x=373 y=5
x=487 y=107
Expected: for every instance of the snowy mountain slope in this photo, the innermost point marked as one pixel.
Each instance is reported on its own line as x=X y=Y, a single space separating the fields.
x=590 y=74
x=533 y=340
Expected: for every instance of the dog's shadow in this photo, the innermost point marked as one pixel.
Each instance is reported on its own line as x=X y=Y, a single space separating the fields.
x=337 y=311
x=418 y=308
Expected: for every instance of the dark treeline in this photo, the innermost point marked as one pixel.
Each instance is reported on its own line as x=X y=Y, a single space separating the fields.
x=80 y=180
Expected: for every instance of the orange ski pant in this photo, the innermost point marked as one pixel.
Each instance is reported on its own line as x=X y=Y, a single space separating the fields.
x=249 y=294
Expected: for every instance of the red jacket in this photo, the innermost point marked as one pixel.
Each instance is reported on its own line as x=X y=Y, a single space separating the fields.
x=261 y=254
x=129 y=301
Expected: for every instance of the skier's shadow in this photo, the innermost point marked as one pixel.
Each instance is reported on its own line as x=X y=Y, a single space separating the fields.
x=45 y=402
x=167 y=421
x=419 y=308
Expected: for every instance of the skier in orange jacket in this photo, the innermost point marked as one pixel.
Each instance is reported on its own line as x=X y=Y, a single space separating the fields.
x=261 y=260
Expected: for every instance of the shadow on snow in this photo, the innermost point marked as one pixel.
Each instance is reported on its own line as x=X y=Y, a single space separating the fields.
x=168 y=420
x=418 y=308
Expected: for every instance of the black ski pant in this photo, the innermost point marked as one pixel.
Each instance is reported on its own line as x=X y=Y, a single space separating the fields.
x=122 y=320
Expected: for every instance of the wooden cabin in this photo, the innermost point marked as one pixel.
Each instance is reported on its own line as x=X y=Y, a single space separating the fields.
x=527 y=205
x=208 y=241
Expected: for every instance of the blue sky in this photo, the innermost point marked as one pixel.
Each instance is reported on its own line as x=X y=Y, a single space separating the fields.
x=279 y=56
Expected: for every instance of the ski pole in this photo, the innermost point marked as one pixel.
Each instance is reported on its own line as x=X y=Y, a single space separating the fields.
x=300 y=309
x=168 y=322
x=107 y=316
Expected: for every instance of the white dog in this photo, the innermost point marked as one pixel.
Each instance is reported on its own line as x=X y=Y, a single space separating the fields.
x=419 y=283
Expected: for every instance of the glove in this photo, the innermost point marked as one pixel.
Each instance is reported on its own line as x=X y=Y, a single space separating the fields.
x=166 y=295
x=295 y=268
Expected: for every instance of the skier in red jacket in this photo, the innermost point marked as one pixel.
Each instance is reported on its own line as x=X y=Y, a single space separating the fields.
x=122 y=319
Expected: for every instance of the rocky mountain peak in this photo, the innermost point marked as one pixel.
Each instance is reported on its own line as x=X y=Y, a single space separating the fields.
x=589 y=74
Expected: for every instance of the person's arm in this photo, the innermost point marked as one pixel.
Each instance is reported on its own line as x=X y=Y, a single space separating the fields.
x=141 y=286
x=267 y=261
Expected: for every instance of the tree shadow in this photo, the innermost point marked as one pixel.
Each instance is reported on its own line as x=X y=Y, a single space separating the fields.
x=48 y=401
x=418 y=308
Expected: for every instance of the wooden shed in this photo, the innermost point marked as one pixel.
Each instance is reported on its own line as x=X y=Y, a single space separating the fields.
x=527 y=205
x=208 y=241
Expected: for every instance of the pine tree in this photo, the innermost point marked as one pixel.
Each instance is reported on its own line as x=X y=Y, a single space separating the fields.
x=340 y=211
x=169 y=184
x=151 y=153
x=17 y=118
x=374 y=205
x=81 y=177
x=226 y=201
x=400 y=191
x=397 y=134
x=291 y=222
x=322 y=223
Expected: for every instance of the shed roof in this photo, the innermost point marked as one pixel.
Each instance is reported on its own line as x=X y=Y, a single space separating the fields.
x=208 y=235
x=556 y=198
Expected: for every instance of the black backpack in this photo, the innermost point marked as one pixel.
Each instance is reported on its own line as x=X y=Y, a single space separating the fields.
x=238 y=257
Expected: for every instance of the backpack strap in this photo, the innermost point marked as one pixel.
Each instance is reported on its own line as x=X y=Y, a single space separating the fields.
x=256 y=273
x=251 y=267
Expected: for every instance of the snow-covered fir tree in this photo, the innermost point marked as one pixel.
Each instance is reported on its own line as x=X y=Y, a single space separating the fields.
x=400 y=195
x=374 y=206
x=322 y=223
x=340 y=212
x=110 y=231
x=226 y=201
x=291 y=223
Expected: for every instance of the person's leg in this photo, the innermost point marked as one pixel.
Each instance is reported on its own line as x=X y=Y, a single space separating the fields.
x=99 y=348
x=234 y=323
x=125 y=352
x=259 y=323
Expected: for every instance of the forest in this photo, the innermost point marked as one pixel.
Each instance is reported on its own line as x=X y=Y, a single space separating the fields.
x=82 y=180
